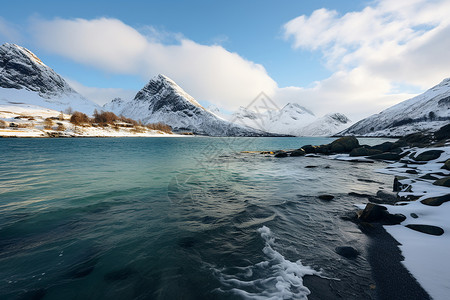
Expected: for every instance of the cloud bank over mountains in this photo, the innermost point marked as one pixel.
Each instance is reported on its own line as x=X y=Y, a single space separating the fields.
x=378 y=56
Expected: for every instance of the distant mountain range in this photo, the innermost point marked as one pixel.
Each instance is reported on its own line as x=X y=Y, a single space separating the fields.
x=426 y=112
x=293 y=119
x=26 y=80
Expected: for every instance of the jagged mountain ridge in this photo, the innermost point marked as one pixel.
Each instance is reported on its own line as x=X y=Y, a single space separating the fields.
x=24 y=78
x=426 y=112
x=293 y=119
x=162 y=100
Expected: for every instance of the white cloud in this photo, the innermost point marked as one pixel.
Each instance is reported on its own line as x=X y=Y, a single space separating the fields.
x=101 y=95
x=209 y=73
x=390 y=43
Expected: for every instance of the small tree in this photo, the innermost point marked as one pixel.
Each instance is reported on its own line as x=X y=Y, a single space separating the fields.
x=48 y=124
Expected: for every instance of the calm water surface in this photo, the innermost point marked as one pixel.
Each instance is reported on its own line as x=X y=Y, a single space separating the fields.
x=176 y=218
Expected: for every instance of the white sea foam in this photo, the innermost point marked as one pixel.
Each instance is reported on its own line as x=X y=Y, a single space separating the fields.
x=274 y=278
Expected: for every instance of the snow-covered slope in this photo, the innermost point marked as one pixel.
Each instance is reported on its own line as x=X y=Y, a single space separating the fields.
x=24 y=78
x=426 y=112
x=293 y=119
x=162 y=100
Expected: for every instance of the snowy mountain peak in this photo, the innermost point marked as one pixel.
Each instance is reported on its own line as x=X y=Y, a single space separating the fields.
x=25 y=79
x=22 y=69
x=295 y=108
x=163 y=84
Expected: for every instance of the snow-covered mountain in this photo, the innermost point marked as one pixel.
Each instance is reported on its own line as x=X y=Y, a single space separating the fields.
x=24 y=78
x=426 y=112
x=162 y=100
x=292 y=119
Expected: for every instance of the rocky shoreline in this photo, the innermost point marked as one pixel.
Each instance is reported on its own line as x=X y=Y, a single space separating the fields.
x=420 y=164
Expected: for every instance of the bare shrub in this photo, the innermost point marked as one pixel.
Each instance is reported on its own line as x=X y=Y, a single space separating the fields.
x=105 y=117
x=69 y=111
x=138 y=129
x=4 y=124
x=61 y=127
x=48 y=124
x=79 y=118
x=25 y=125
x=160 y=126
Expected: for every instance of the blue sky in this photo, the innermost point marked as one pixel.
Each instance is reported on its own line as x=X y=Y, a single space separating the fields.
x=310 y=52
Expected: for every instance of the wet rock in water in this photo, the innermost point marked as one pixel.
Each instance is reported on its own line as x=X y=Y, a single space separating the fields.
x=344 y=144
x=443 y=181
x=350 y=216
x=428 y=229
x=281 y=154
x=310 y=167
x=326 y=197
x=436 y=201
x=428 y=155
x=428 y=177
x=362 y=151
x=411 y=171
x=309 y=149
x=347 y=252
x=358 y=195
x=373 y=212
x=298 y=152
x=414 y=215
x=384 y=197
x=446 y=165
x=386 y=156
x=323 y=149
x=120 y=274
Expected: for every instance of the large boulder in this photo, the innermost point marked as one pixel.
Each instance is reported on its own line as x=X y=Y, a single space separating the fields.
x=363 y=151
x=443 y=181
x=309 y=149
x=428 y=229
x=281 y=154
x=386 y=156
x=436 y=201
x=384 y=147
x=413 y=140
x=298 y=152
x=443 y=133
x=446 y=165
x=323 y=149
x=344 y=144
x=428 y=155
x=373 y=212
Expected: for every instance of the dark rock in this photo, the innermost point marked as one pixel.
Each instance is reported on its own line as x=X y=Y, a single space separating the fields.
x=413 y=215
x=446 y=165
x=358 y=195
x=309 y=149
x=413 y=140
x=310 y=167
x=373 y=212
x=387 y=197
x=281 y=154
x=436 y=201
x=298 y=152
x=347 y=252
x=443 y=133
x=411 y=171
x=428 y=177
x=428 y=155
x=323 y=149
x=344 y=144
x=443 y=181
x=386 y=156
x=397 y=185
x=408 y=198
x=361 y=151
x=384 y=147
x=428 y=229
x=350 y=216
x=393 y=219
x=326 y=197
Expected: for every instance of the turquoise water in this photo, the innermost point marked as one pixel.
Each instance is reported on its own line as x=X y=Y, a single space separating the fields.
x=176 y=218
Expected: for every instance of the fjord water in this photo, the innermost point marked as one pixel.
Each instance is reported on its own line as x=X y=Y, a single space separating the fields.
x=177 y=218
